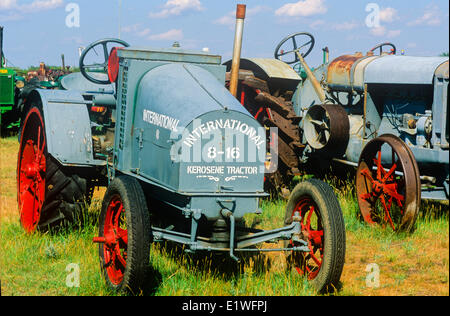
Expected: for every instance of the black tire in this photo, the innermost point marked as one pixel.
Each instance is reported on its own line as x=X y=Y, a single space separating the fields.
x=135 y=250
x=320 y=201
x=66 y=193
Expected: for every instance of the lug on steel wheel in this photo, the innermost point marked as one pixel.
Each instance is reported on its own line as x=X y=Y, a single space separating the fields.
x=31 y=171
x=124 y=236
x=388 y=184
x=323 y=229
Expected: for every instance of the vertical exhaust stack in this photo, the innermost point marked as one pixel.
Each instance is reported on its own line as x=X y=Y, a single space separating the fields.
x=1 y=46
x=240 y=17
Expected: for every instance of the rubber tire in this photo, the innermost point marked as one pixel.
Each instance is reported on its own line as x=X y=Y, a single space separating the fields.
x=139 y=234
x=65 y=201
x=334 y=231
x=66 y=193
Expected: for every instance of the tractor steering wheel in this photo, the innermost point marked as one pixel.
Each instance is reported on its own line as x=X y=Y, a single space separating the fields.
x=100 y=67
x=307 y=41
x=380 y=47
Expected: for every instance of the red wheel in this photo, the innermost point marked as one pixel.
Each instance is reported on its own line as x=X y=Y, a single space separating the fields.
x=323 y=230
x=388 y=184
x=31 y=169
x=309 y=264
x=115 y=240
x=124 y=236
x=48 y=194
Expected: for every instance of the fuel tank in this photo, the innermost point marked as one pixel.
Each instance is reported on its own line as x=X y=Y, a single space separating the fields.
x=191 y=135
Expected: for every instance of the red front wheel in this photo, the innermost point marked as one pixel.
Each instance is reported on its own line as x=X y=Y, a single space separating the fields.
x=323 y=229
x=388 y=184
x=124 y=236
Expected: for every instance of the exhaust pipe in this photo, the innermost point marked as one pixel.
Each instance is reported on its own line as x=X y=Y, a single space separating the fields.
x=1 y=46
x=236 y=63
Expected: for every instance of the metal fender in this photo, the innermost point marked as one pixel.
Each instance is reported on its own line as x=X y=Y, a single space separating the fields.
x=67 y=127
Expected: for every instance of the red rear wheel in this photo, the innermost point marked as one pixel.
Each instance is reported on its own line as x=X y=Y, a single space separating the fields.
x=48 y=194
x=31 y=171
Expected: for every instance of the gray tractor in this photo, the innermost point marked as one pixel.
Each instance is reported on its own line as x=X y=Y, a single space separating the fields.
x=383 y=114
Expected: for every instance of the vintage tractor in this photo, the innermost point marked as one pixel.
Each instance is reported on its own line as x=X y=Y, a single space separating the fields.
x=182 y=160
x=9 y=87
x=14 y=90
x=385 y=115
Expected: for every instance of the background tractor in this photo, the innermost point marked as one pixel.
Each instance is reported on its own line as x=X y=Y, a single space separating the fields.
x=383 y=114
x=8 y=92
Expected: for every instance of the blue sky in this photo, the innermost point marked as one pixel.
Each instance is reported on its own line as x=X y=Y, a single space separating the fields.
x=36 y=30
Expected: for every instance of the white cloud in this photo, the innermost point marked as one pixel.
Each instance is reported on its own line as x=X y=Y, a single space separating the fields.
x=316 y=24
x=136 y=29
x=302 y=8
x=176 y=7
x=383 y=32
x=230 y=18
x=378 y=31
x=388 y=15
x=346 y=26
x=174 y=35
x=393 y=33
x=43 y=5
x=36 y=5
x=431 y=17
x=8 y=4
x=10 y=17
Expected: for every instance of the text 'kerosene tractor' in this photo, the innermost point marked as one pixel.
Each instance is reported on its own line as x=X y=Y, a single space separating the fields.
x=182 y=160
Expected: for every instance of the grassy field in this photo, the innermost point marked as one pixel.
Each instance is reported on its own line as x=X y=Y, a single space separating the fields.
x=43 y=264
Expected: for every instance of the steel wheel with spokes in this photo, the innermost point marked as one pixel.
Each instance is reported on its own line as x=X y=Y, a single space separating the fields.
x=49 y=195
x=309 y=263
x=388 y=184
x=323 y=229
x=31 y=171
x=124 y=236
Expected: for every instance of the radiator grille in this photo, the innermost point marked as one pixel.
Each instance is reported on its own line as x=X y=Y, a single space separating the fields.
x=6 y=90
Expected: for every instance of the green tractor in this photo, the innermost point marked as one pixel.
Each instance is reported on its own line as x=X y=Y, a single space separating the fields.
x=10 y=84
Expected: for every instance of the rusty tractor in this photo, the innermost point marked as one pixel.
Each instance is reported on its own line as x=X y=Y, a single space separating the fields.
x=383 y=114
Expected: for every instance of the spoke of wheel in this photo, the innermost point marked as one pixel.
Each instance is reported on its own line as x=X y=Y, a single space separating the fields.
x=119 y=257
x=387 y=214
x=389 y=173
x=366 y=173
x=379 y=166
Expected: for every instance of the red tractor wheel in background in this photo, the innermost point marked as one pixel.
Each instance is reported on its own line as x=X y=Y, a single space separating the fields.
x=48 y=194
x=388 y=184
